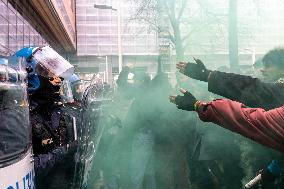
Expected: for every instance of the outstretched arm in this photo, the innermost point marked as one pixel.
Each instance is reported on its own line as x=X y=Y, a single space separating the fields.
x=248 y=90
x=264 y=127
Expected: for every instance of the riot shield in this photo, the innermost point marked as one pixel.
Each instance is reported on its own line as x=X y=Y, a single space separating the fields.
x=89 y=132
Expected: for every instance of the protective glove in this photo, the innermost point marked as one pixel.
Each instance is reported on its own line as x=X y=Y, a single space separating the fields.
x=185 y=102
x=59 y=152
x=194 y=70
x=72 y=147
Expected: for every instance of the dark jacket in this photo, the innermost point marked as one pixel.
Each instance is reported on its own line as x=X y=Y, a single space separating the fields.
x=250 y=91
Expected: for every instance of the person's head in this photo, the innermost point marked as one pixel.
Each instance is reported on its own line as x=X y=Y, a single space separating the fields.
x=55 y=81
x=273 y=65
x=141 y=79
x=76 y=87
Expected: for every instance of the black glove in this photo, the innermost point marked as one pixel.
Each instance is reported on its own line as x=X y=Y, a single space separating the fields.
x=72 y=147
x=197 y=70
x=186 y=102
x=59 y=153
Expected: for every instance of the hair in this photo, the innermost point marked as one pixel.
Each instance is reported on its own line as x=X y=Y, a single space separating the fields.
x=274 y=57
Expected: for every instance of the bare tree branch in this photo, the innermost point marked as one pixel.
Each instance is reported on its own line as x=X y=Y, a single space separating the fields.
x=183 y=6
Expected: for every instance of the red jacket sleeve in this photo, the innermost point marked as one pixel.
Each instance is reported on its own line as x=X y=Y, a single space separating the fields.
x=264 y=127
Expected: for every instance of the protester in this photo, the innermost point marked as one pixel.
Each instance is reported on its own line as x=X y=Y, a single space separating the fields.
x=266 y=93
x=137 y=128
x=251 y=91
x=264 y=127
x=154 y=134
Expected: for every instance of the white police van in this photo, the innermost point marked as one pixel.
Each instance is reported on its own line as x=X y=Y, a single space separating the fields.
x=16 y=161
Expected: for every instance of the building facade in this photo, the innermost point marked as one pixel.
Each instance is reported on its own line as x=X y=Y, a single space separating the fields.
x=15 y=31
x=108 y=38
x=36 y=23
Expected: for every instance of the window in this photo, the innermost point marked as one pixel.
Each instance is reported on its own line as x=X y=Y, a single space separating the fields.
x=115 y=70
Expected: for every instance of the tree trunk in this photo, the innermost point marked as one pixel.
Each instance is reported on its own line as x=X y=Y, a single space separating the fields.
x=178 y=42
x=179 y=51
x=233 y=35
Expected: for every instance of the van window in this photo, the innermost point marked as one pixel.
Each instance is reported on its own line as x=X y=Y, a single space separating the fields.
x=14 y=122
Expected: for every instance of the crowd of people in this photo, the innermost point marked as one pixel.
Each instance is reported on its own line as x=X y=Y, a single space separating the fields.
x=158 y=146
x=142 y=141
